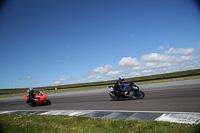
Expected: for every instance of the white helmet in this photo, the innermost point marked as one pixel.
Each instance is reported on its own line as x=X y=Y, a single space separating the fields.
x=121 y=78
x=31 y=89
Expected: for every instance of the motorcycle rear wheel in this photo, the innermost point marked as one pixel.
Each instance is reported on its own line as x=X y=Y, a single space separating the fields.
x=33 y=104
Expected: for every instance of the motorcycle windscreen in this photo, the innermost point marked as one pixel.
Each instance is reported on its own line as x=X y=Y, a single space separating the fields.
x=110 y=87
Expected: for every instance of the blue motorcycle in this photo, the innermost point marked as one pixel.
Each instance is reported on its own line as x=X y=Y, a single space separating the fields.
x=135 y=93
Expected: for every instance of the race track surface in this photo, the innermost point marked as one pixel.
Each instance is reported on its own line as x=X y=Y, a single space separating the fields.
x=176 y=98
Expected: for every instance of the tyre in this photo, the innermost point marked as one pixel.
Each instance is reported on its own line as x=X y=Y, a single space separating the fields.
x=48 y=102
x=32 y=104
x=112 y=96
x=140 y=95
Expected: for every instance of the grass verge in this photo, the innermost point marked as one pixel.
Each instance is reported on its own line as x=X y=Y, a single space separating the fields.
x=49 y=124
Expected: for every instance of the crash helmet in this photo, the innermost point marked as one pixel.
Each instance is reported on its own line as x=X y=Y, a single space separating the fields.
x=31 y=90
x=121 y=78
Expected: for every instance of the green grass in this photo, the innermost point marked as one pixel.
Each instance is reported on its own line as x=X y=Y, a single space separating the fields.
x=24 y=123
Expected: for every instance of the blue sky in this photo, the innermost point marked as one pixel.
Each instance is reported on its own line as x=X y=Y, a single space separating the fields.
x=53 y=42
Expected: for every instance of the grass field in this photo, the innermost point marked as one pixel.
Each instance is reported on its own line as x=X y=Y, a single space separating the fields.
x=23 y=123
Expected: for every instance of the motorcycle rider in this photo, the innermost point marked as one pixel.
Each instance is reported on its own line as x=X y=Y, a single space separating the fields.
x=119 y=87
x=30 y=95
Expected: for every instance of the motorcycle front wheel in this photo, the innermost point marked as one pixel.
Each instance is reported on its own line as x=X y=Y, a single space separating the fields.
x=112 y=96
x=48 y=102
x=140 y=95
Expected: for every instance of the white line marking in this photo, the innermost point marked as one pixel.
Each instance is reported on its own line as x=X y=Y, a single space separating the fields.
x=6 y=112
x=180 y=118
x=177 y=117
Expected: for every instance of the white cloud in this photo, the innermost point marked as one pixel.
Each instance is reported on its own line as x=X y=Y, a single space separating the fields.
x=147 y=71
x=135 y=74
x=62 y=79
x=103 y=69
x=112 y=74
x=141 y=67
x=168 y=45
x=161 y=65
x=93 y=76
x=185 y=58
x=185 y=51
x=128 y=62
x=57 y=82
x=158 y=64
x=166 y=69
x=155 y=57
x=152 y=63
x=161 y=47
x=79 y=81
x=58 y=61
x=28 y=77
x=164 y=60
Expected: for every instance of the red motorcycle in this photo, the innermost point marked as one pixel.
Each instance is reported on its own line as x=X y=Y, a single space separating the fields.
x=39 y=99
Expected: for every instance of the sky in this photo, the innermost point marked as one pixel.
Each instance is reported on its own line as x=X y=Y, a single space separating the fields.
x=56 y=42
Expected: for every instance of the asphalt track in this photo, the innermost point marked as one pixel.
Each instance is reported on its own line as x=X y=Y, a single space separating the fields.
x=183 y=96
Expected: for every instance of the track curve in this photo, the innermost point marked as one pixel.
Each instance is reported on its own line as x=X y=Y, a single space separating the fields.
x=176 y=98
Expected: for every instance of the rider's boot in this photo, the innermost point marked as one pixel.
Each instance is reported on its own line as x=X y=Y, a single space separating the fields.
x=127 y=93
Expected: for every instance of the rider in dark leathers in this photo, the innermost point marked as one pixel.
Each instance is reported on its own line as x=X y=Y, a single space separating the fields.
x=30 y=95
x=119 y=87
